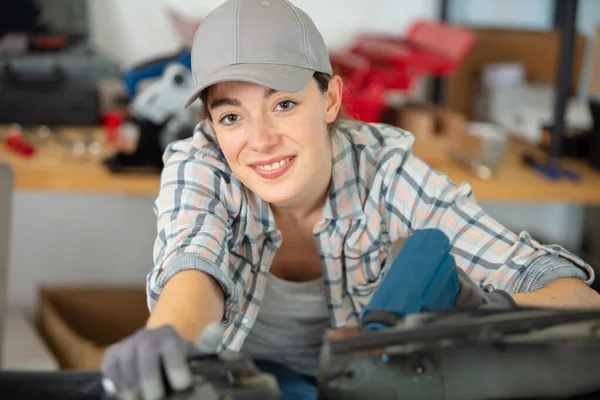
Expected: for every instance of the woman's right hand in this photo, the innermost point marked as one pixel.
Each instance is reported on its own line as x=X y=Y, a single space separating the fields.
x=133 y=368
x=471 y=295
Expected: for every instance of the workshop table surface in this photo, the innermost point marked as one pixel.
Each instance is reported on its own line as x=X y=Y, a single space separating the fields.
x=54 y=168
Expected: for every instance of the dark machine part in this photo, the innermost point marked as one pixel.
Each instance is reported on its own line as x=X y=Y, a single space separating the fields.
x=147 y=156
x=47 y=98
x=232 y=376
x=467 y=355
x=64 y=385
x=228 y=376
x=18 y=16
x=594 y=144
x=158 y=114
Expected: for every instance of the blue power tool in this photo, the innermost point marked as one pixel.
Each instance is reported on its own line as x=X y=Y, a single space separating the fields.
x=423 y=277
x=153 y=69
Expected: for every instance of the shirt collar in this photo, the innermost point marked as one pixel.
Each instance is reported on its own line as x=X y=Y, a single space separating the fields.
x=262 y=215
x=344 y=199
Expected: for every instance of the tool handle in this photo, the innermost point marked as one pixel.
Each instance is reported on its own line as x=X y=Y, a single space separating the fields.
x=423 y=277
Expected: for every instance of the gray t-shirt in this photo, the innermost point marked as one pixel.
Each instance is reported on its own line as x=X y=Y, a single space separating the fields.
x=290 y=325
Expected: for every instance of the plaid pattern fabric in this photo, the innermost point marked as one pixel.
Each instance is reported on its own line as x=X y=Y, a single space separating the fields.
x=380 y=192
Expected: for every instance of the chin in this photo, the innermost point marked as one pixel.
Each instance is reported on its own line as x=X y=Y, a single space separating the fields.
x=275 y=194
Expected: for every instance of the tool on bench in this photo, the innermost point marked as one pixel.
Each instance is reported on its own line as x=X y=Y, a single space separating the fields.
x=552 y=170
x=153 y=69
x=17 y=143
x=227 y=376
x=467 y=355
x=158 y=114
x=430 y=332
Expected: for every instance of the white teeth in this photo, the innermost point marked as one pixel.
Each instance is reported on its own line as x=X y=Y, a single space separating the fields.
x=273 y=166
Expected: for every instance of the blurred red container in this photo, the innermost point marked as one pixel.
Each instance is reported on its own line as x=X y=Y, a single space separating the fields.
x=16 y=142
x=376 y=63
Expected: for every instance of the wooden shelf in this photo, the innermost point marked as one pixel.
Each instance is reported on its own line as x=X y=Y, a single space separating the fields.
x=55 y=168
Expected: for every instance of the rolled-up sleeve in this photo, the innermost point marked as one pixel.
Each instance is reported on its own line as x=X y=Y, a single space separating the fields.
x=419 y=197
x=192 y=225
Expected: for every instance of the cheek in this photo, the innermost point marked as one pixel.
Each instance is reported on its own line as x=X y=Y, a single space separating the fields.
x=231 y=146
x=312 y=134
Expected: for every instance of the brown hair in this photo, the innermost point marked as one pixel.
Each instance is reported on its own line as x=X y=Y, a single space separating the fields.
x=322 y=82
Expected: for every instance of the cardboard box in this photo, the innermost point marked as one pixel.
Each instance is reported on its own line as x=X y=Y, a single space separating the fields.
x=425 y=120
x=79 y=323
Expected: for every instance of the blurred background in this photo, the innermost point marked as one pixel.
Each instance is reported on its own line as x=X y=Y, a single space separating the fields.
x=503 y=94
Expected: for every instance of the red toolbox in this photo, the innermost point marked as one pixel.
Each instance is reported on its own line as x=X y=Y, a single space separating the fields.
x=375 y=63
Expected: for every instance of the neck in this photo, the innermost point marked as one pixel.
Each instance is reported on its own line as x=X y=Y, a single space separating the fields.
x=309 y=206
x=309 y=210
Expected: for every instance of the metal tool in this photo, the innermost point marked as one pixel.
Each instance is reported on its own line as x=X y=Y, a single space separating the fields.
x=158 y=113
x=17 y=143
x=551 y=169
x=231 y=376
x=467 y=355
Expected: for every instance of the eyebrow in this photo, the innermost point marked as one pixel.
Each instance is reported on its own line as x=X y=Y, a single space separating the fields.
x=226 y=101
x=270 y=92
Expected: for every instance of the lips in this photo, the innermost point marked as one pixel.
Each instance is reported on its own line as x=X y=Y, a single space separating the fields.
x=273 y=168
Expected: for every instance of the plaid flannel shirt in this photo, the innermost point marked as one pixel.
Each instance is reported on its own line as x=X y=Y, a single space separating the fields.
x=380 y=192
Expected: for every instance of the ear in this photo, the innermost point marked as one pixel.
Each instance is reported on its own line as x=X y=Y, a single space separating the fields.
x=333 y=99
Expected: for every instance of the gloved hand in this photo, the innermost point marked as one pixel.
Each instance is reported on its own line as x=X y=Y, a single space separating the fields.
x=148 y=362
x=473 y=296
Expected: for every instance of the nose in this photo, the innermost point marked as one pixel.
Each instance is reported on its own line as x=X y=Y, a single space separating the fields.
x=262 y=138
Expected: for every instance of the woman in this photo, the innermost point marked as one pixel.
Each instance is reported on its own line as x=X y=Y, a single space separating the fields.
x=276 y=220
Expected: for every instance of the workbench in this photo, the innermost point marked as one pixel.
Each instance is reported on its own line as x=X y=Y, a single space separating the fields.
x=52 y=168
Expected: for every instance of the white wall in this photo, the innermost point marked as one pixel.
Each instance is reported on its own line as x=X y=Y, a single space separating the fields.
x=527 y=14
x=133 y=31
x=588 y=18
x=72 y=238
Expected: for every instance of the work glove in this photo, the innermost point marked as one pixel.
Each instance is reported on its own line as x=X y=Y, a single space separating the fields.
x=152 y=362
x=472 y=295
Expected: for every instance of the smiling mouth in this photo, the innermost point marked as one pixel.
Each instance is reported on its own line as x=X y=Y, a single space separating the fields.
x=275 y=169
x=275 y=166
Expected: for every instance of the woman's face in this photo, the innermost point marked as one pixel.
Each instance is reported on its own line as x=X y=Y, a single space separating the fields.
x=276 y=143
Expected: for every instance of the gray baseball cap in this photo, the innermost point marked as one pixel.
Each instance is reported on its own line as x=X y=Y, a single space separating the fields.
x=267 y=42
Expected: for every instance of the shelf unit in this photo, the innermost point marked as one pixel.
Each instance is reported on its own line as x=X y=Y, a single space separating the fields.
x=565 y=21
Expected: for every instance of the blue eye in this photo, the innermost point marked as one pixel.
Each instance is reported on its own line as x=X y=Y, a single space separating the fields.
x=286 y=105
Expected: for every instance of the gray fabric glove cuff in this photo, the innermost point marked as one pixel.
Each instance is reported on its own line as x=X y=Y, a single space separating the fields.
x=472 y=296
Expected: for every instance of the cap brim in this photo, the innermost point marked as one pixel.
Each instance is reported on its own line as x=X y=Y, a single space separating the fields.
x=284 y=78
